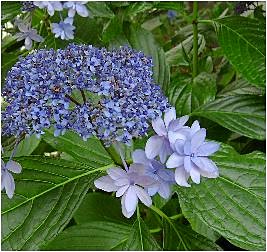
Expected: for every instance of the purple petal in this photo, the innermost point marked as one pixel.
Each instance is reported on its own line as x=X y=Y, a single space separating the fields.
x=181 y=177
x=144 y=181
x=187 y=163
x=28 y=43
x=164 y=190
x=124 y=211
x=9 y=184
x=181 y=134
x=179 y=146
x=13 y=166
x=208 y=148
x=153 y=146
x=174 y=161
x=137 y=168
x=207 y=167
x=131 y=199
x=195 y=127
x=105 y=183
x=197 y=139
x=178 y=123
x=143 y=196
x=82 y=10
x=195 y=175
x=122 y=190
x=139 y=156
x=71 y=12
x=165 y=151
x=159 y=126
x=116 y=173
x=152 y=190
x=169 y=116
x=187 y=147
x=122 y=182
x=166 y=175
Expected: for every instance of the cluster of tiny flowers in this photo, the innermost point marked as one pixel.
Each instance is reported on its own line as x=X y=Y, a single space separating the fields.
x=118 y=97
x=184 y=148
x=27 y=6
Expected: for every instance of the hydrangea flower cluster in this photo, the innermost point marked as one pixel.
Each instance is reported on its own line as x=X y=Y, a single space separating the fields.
x=118 y=96
x=184 y=148
x=28 y=6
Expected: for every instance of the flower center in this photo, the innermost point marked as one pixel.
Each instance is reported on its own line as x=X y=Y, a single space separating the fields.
x=192 y=155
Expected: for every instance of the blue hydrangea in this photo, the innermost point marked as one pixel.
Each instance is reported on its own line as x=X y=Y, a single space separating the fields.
x=116 y=89
x=27 y=6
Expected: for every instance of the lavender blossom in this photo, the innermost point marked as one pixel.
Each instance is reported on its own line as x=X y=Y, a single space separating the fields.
x=158 y=172
x=118 y=97
x=77 y=6
x=127 y=184
x=161 y=144
x=7 y=180
x=28 y=34
x=191 y=157
x=64 y=29
x=51 y=6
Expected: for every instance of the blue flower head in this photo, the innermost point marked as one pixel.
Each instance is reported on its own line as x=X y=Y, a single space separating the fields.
x=118 y=97
x=190 y=157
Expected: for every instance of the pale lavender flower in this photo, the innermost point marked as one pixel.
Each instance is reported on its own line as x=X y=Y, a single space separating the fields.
x=158 y=172
x=127 y=184
x=64 y=29
x=27 y=33
x=7 y=180
x=161 y=144
x=77 y=6
x=191 y=157
x=51 y=6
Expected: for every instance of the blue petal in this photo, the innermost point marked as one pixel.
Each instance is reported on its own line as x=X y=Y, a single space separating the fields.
x=208 y=148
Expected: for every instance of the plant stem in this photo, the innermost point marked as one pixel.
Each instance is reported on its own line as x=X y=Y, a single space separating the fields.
x=195 y=39
x=177 y=216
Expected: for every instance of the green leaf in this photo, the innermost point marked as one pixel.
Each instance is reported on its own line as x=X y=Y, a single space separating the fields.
x=193 y=240
x=9 y=10
x=100 y=9
x=25 y=147
x=113 y=33
x=90 y=152
x=48 y=191
x=140 y=238
x=96 y=235
x=244 y=114
x=100 y=207
x=234 y=203
x=139 y=7
x=187 y=96
x=176 y=55
x=143 y=40
x=8 y=60
x=243 y=42
x=240 y=87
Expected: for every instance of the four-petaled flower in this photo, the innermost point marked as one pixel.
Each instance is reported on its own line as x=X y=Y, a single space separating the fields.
x=77 y=6
x=127 y=184
x=191 y=157
x=7 y=180
x=64 y=29
x=158 y=172
x=161 y=144
x=27 y=33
